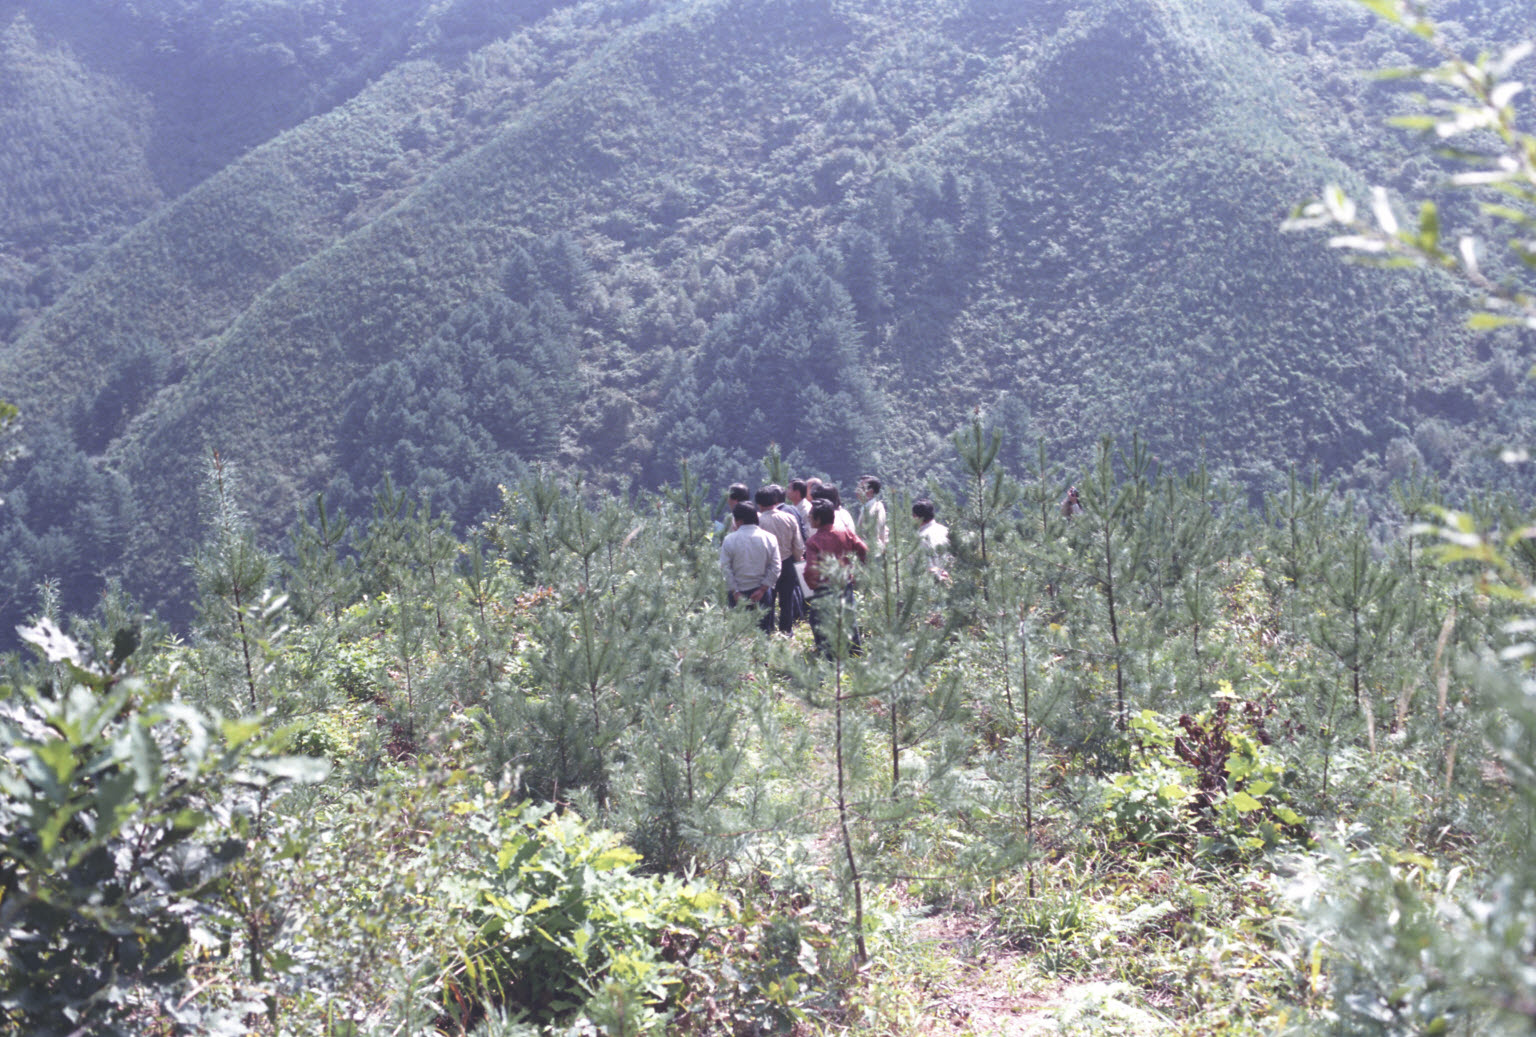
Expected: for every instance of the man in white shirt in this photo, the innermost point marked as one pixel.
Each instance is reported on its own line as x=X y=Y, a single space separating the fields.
x=799 y=496
x=749 y=558
x=933 y=534
x=872 y=516
x=841 y=518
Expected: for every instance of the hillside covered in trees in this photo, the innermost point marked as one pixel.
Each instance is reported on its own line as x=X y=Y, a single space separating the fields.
x=1207 y=709
x=447 y=241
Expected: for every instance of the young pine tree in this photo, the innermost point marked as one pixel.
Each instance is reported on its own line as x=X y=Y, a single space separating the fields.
x=1363 y=613
x=1300 y=521
x=239 y=611
x=320 y=578
x=1113 y=512
x=991 y=494
x=691 y=742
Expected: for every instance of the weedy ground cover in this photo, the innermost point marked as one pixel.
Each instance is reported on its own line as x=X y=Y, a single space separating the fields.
x=1143 y=769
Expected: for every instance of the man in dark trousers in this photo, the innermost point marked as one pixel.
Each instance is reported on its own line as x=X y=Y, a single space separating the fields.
x=785 y=527
x=749 y=558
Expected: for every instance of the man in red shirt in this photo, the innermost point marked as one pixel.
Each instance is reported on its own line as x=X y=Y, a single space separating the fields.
x=829 y=558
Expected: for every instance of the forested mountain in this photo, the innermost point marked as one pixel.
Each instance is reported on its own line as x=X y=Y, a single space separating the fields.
x=1204 y=706
x=444 y=241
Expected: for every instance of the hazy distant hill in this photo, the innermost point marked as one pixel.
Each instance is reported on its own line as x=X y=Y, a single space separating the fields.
x=413 y=238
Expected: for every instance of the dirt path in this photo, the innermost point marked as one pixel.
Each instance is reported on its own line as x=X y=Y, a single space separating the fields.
x=973 y=987
x=986 y=993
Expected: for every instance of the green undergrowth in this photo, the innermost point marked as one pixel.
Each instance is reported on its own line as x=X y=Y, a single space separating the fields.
x=1156 y=768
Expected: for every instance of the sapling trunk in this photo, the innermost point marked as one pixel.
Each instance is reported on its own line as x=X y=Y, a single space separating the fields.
x=1329 y=733
x=437 y=603
x=255 y=930
x=481 y=596
x=1442 y=695
x=245 y=647
x=405 y=663
x=1029 y=743
x=1114 y=627
x=1007 y=680
x=594 y=696
x=842 y=799
x=978 y=452
x=688 y=751
x=230 y=568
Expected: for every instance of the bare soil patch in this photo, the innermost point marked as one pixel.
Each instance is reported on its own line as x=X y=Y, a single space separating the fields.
x=988 y=992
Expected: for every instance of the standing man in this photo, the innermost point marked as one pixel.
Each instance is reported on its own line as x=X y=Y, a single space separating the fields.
x=840 y=515
x=749 y=558
x=829 y=558
x=785 y=528
x=800 y=494
x=934 y=536
x=872 y=515
x=736 y=494
x=792 y=511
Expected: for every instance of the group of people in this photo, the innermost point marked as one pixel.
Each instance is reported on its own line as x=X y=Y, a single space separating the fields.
x=791 y=553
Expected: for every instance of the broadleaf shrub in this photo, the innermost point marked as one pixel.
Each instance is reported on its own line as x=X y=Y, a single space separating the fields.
x=119 y=816
x=563 y=923
x=1208 y=783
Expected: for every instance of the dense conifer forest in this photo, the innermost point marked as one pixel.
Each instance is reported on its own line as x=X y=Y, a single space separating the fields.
x=375 y=375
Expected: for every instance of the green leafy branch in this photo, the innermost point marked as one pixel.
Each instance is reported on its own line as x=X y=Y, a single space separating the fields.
x=1473 y=115
x=121 y=813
